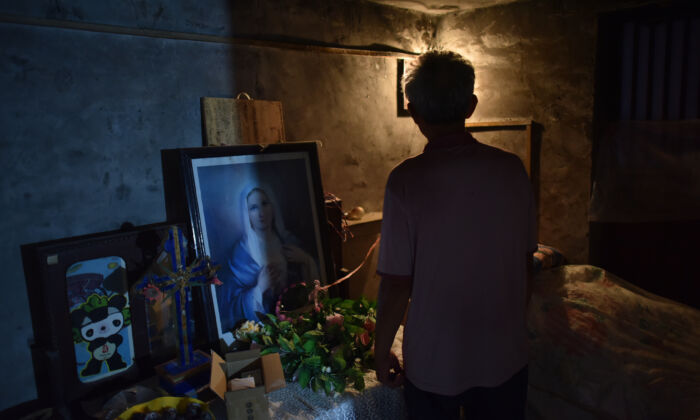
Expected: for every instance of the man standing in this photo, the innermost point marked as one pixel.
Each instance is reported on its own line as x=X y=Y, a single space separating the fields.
x=458 y=234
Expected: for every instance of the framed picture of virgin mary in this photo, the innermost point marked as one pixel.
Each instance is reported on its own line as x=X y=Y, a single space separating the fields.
x=259 y=213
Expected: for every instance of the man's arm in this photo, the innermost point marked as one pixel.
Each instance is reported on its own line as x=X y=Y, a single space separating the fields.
x=394 y=293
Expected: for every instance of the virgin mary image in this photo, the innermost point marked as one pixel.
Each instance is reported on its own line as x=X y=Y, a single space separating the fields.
x=264 y=260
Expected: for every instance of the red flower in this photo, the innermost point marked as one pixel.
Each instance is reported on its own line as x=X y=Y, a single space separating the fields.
x=363 y=338
x=369 y=325
x=334 y=319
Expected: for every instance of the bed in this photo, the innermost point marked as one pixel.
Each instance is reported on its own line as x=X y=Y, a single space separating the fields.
x=603 y=348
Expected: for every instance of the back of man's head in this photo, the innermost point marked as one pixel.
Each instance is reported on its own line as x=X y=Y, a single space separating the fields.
x=440 y=87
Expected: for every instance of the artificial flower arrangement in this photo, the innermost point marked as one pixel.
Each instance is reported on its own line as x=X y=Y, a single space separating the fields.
x=324 y=343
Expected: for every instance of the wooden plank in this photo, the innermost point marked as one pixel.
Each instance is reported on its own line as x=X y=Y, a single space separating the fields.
x=495 y=124
x=229 y=121
x=248 y=42
x=528 y=132
x=509 y=124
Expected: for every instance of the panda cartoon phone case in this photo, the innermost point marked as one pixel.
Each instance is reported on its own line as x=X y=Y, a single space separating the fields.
x=100 y=317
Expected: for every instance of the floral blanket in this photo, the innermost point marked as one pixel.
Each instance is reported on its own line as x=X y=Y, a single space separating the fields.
x=612 y=349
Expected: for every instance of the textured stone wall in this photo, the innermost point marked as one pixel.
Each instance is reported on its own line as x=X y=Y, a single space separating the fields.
x=86 y=113
x=534 y=60
x=348 y=102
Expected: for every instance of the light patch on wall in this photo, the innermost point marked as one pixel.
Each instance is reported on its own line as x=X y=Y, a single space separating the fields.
x=498 y=41
x=440 y=7
x=476 y=53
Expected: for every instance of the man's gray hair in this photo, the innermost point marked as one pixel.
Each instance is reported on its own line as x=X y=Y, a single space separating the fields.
x=440 y=86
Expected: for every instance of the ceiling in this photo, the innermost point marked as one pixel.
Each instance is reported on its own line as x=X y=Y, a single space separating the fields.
x=439 y=7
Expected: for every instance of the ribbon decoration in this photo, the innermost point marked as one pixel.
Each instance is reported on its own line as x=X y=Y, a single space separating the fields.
x=317 y=284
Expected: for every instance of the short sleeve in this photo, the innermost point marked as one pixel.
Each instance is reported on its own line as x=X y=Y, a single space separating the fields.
x=396 y=246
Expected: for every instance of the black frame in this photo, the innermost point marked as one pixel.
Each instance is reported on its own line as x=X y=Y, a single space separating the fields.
x=182 y=203
x=45 y=265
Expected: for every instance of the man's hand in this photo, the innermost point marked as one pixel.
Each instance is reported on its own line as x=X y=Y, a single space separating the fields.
x=389 y=371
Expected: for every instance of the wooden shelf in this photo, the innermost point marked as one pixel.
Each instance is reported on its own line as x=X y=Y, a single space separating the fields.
x=372 y=216
x=509 y=124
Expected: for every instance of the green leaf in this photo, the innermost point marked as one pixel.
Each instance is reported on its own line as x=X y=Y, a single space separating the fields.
x=354 y=329
x=346 y=304
x=291 y=366
x=304 y=377
x=267 y=340
x=313 y=333
x=296 y=339
x=359 y=383
x=309 y=346
x=268 y=350
x=272 y=318
x=364 y=302
x=322 y=349
x=339 y=362
x=315 y=384
x=368 y=358
x=285 y=325
x=285 y=344
x=354 y=373
x=357 y=306
x=328 y=386
x=312 y=362
x=338 y=384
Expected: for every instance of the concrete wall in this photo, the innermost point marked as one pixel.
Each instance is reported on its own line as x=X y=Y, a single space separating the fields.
x=347 y=102
x=84 y=114
x=536 y=60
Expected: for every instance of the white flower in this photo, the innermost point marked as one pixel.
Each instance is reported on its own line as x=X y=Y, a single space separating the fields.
x=248 y=327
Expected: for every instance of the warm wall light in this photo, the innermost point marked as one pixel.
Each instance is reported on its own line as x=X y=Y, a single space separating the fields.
x=401 y=100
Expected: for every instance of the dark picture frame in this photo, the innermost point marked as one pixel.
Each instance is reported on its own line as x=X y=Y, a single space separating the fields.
x=48 y=266
x=210 y=187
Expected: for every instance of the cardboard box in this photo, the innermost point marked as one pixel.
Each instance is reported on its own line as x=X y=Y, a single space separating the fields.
x=246 y=401
x=176 y=381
